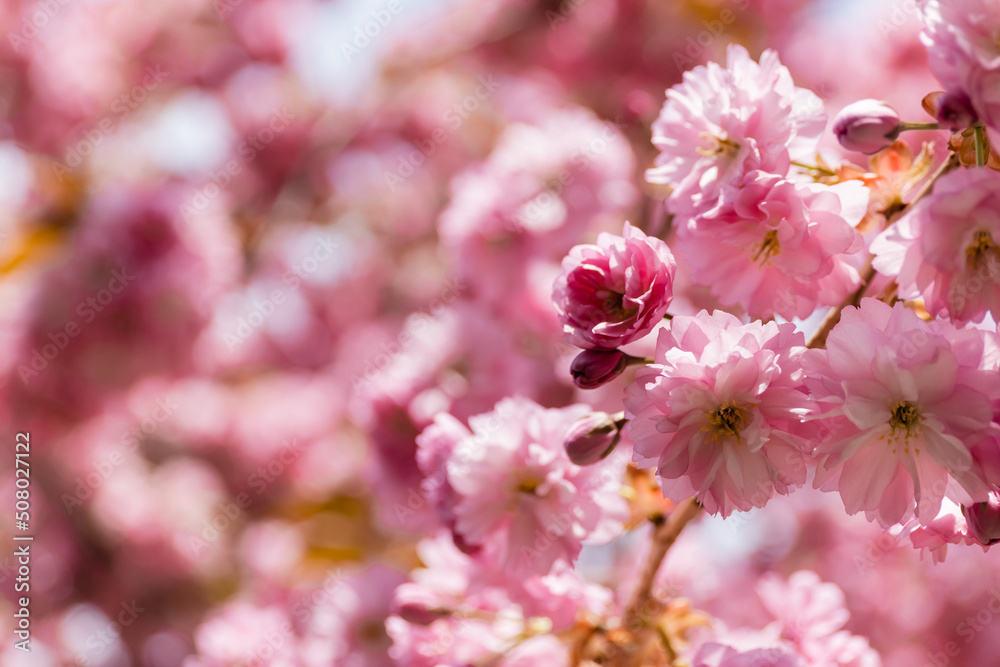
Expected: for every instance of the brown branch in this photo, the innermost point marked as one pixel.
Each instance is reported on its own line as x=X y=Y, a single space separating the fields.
x=868 y=272
x=664 y=536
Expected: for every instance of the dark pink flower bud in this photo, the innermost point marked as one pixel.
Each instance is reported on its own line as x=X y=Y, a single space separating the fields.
x=593 y=368
x=867 y=126
x=984 y=520
x=954 y=111
x=417 y=605
x=592 y=438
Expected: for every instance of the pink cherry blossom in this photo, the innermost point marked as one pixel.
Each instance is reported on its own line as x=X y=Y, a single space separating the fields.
x=960 y=36
x=945 y=250
x=811 y=614
x=349 y=627
x=514 y=489
x=722 y=123
x=903 y=400
x=720 y=411
x=614 y=292
x=772 y=246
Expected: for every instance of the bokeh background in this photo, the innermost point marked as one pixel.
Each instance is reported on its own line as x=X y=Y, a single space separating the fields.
x=249 y=248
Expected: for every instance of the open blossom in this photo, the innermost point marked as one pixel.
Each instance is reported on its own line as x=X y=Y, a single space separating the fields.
x=961 y=40
x=807 y=632
x=614 y=292
x=720 y=412
x=945 y=249
x=514 y=491
x=540 y=189
x=811 y=615
x=774 y=246
x=721 y=123
x=903 y=400
x=455 y=592
x=348 y=628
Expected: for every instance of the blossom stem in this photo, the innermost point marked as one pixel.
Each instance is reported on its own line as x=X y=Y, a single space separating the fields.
x=868 y=272
x=980 y=146
x=903 y=127
x=664 y=536
x=822 y=170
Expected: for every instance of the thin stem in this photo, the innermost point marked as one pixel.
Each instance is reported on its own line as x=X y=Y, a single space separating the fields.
x=918 y=126
x=868 y=272
x=818 y=339
x=980 y=146
x=664 y=536
x=822 y=170
x=638 y=361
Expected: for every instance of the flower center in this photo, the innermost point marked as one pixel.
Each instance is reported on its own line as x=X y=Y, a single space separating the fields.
x=726 y=422
x=768 y=248
x=614 y=307
x=718 y=146
x=903 y=423
x=981 y=249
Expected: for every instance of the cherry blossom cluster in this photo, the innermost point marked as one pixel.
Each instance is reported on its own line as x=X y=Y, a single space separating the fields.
x=526 y=334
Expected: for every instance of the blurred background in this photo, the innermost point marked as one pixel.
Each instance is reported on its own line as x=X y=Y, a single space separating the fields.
x=249 y=248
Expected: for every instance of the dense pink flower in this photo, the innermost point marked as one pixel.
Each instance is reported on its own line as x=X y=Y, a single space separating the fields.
x=349 y=627
x=712 y=654
x=774 y=246
x=720 y=412
x=903 y=401
x=543 y=186
x=614 y=292
x=514 y=489
x=721 y=123
x=945 y=250
x=811 y=615
x=460 y=609
x=243 y=633
x=961 y=39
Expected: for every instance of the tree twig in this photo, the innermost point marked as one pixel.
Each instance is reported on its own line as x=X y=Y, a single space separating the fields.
x=664 y=536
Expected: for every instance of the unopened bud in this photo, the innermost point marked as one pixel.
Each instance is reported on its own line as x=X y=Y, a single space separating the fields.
x=593 y=368
x=592 y=438
x=984 y=520
x=867 y=126
x=417 y=606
